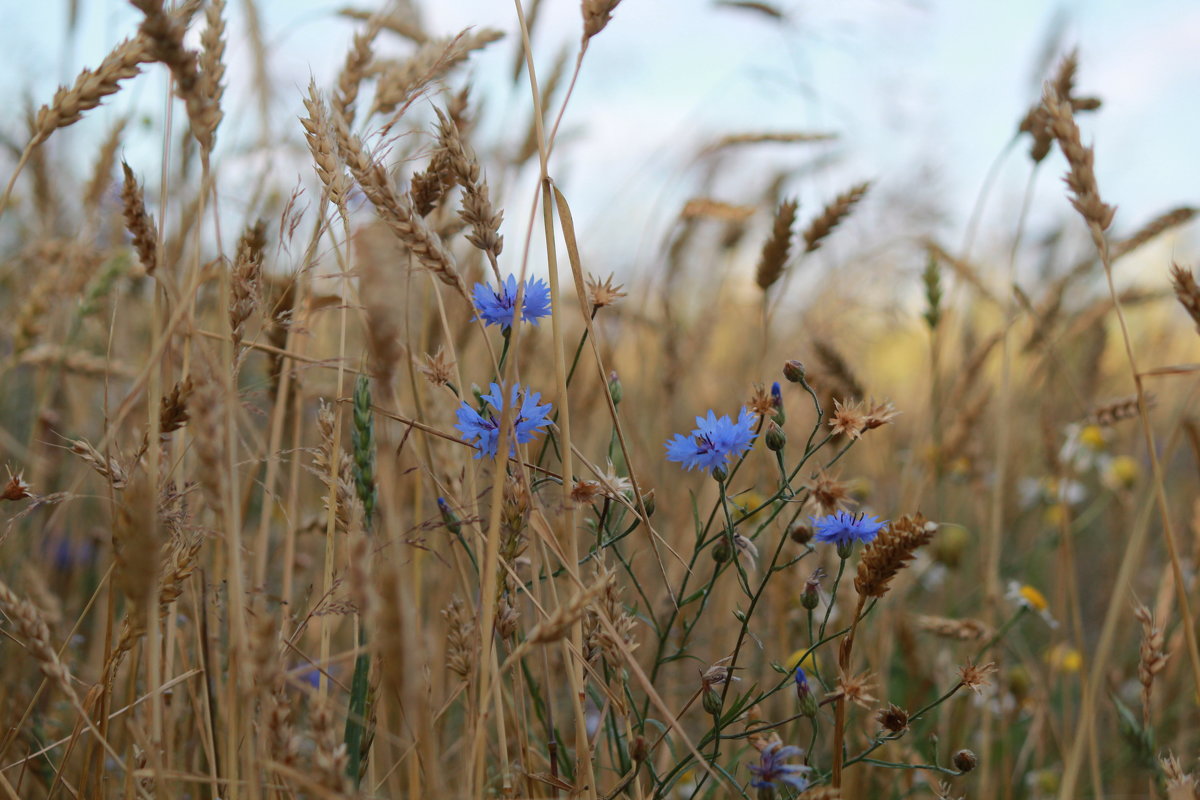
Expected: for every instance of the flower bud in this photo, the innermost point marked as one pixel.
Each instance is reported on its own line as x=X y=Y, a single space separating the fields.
x=648 y=502
x=800 y=533
x=776 y=438
x=614 y=388
x=810 y=598
x=777 y=402
x=719 y=474
x=721 y=552
x=808 y=701
x=794 y=371
x=965 y=760
x=639 y=749
x=449 y=517
x=712 y=701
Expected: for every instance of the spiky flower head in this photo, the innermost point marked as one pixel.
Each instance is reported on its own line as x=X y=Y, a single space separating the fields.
x=976 y=676
x=714 y=442
x=601 y=294
x=485 y=427
x=844 y=529
x=893 y=718
x=498 y=307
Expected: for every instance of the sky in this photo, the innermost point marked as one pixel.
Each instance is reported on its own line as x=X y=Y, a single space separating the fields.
x=922 y=94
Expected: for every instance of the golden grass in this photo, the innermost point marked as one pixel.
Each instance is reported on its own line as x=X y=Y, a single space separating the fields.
x=236 y=576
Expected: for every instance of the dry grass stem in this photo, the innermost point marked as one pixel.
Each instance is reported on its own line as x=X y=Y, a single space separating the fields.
x=832 y=215
x=245 y=290
x=777 y=247
x=1081 y=178
x=92 y=86
x=401 y=22
x=401 y=81
x=1187 y=291
x=963 y=629
x=318 y=131
x=596 y=16
x=1152 y=658
x=138 y=221
x=477 y=209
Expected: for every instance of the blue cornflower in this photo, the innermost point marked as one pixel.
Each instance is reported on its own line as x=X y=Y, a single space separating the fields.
x=713 y=442
x=771 y=770
x=530 y=417
x=844 y=528
x=499 y=307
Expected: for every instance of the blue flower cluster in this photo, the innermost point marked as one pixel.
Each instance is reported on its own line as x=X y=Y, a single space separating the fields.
x=530 y=419
x=771 y=770
x=713 y=442
x=499 y=307
x=844 y=528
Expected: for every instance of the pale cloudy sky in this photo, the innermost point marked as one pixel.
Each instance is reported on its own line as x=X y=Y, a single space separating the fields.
x=923 y=93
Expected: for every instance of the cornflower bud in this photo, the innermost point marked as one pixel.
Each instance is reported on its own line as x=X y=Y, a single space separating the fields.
x=449 y=517
x=794 y=371
x=776 y=438
x=810 y=599
x=614 y=388
x=804 y=693
x=711 y=701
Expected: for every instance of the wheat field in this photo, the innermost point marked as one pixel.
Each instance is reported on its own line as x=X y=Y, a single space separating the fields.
x=353 y=487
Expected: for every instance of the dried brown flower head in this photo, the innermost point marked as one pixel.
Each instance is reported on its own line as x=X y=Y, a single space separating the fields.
x=16 y=488
x=878 y=415
x=438 y=368
x=603 y=294
x=975 y=677
x=584 y=492
x=847 y=420
x=1180 y=785
x=761 y=403
x=830 y=492
x=856 y=688
x=893 y=718
x=716 y=674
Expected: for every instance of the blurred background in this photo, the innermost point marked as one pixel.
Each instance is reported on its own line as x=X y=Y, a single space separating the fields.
x=922 y=97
